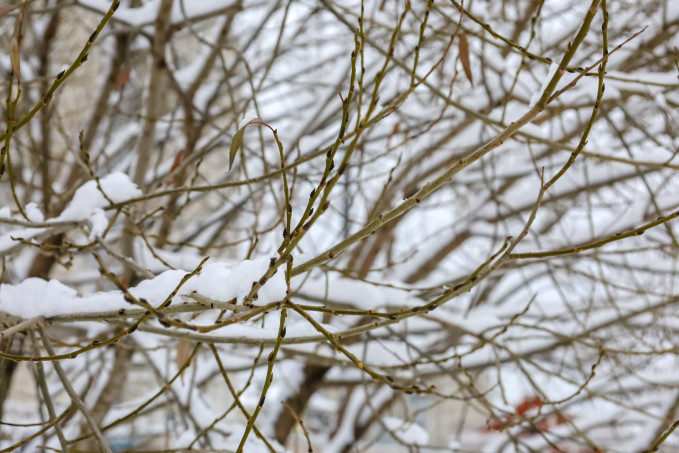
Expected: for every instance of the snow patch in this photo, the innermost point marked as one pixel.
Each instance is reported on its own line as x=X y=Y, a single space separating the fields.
x=407 y=432
x=536 y=96
x=117 y=187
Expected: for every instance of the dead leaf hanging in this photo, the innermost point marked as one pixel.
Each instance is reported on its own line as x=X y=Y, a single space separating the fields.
x=463 y=47
x=184 y=349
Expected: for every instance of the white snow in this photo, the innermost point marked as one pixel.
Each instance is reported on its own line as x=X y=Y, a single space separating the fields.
x=117 y=187
x=98 y=223
x=37 y=297
x=219 y=281
x=34 y=213
x=407 y=431
x=249 y=116
x=548 y=77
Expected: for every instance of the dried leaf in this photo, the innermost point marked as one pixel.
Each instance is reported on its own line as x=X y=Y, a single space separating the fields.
x=177 y=159
x=175 y=164
x=463 y=47
x=238 y=139
x=7 y=9
x=122 y=78
x=184 y=349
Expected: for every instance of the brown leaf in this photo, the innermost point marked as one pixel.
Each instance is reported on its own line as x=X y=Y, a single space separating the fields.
x=184 y=349
x=122 y=78
x=7 y=9
x=177 y=159
x=463 y=46
x=175 y=164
